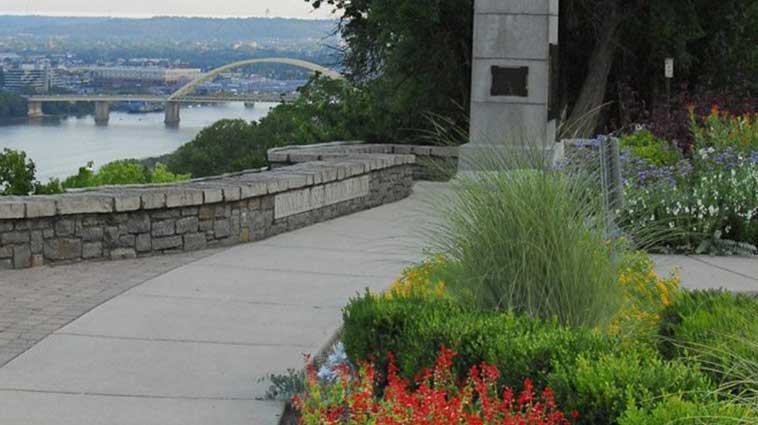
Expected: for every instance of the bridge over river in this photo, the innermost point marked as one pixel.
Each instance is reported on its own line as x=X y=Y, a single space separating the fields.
x=183 y=95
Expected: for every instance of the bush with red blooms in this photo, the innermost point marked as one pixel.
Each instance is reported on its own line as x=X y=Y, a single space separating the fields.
x=436 y=399
x=671 y=119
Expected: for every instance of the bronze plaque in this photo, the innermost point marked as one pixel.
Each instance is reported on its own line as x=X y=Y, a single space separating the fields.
x=508 y=81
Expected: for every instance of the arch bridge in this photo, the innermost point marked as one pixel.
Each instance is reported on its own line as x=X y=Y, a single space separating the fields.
x=183 y=95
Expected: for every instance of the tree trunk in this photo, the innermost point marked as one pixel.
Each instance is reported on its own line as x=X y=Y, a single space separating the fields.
x=585 y=117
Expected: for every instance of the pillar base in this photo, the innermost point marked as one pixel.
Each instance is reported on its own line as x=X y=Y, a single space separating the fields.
x=474 y=157
x=34 y=110
x=102 y=113
x=172 y=117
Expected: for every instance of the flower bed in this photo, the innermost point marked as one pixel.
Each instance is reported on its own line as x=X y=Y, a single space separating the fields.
x=705 y=201
x=599 y=375
x=522 y=307
x=437 y=397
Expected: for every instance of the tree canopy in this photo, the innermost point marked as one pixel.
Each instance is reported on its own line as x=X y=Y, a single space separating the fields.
x=414 y=56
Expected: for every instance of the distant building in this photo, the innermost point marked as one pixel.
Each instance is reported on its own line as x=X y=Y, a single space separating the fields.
x=119 y=75
x=28 y=79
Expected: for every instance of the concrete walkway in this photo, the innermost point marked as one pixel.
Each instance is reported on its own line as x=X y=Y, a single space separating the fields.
x=188 y=342
x=737 y=274
x=187 y=347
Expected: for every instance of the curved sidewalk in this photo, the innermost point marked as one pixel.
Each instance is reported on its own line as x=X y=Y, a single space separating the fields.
x=189 y=345
x=184 y=339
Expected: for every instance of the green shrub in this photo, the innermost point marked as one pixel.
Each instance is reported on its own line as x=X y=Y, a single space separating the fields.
x=16 y=173
x=414 y=329
x=128 y=171
x=84 y=178
x=121 y=172
x=327 y=110
x=52 y=187
x=643 y=144
x=724 y=130
x=720 y=331
x=224 y=147
x=161 y=174
x=601 y=387
x=674 y=410
x=529 y=242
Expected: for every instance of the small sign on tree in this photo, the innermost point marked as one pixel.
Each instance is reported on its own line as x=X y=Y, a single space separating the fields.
x=669 y=68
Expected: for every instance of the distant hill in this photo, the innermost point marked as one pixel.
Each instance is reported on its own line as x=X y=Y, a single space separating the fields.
x=173 y=29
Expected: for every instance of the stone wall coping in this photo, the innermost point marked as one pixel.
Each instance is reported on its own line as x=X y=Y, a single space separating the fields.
x=225 y=188
x=308 y=153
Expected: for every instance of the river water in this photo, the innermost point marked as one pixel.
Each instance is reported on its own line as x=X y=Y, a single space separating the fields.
x=59 y=146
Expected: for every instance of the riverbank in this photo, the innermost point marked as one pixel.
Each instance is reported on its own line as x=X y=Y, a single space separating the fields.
x=60 y=145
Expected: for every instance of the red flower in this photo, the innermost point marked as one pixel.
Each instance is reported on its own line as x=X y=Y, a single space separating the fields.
x=435 y=399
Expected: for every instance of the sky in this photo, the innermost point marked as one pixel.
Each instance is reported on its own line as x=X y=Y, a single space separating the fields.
x=147 y=8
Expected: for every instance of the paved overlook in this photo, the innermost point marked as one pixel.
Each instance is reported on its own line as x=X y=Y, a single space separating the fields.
x=182 y=339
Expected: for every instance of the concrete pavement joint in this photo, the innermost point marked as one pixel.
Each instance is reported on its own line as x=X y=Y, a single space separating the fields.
x=359 y=251
x=149 y=396
x=700 y=260
x=230 y=300
x=178 y=340
x=306 y=272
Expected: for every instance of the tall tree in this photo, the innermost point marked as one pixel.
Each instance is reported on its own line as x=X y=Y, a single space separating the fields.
x=415 y=55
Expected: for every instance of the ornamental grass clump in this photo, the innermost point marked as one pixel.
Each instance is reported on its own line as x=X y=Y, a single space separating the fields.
x=719 y=331
x=528 y=239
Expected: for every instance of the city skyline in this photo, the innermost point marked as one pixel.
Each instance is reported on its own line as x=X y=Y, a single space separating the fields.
x=150 y=8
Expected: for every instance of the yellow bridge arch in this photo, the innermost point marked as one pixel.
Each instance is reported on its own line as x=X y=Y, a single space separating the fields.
x=190 y=87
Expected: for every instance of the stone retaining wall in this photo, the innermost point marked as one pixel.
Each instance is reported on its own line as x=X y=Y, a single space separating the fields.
x=118 y=223
x=435 y=163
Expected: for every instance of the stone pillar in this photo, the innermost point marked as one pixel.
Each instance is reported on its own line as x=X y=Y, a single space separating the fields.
x=34 y=109
x=172 y=113
x=102 y=112
x=514 y=78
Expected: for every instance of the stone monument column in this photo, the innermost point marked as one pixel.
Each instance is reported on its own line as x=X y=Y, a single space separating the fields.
x=514 y=78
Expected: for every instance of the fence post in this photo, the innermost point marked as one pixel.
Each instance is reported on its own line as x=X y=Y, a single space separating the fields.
x=616 y=180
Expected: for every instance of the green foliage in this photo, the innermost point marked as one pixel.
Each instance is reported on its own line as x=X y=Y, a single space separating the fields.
x=285 y=386
x=226 y=146
x=722 y=130
x=529 y=242
x=52 y=187
x=707 y=204
x=161 y=174
x=12 y=105
x=646 y=296
x=16 y=173
x=122 y=172
x=411 y=57
x=414 y=329
x=643 y=144
x=720 y=331
x=602 y=387
x=588 y=371
x=674 y=410
x=327 y=110
x=84 y=178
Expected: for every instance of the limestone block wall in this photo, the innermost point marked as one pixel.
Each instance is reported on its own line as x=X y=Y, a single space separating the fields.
x=435 y=163
x=128 y=222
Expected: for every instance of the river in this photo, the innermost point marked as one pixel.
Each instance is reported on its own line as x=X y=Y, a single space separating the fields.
x=59 y=146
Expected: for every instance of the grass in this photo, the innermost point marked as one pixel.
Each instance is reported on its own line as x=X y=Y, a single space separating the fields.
x=529 y=239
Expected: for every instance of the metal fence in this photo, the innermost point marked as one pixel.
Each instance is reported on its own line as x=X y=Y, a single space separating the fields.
x=601 y=157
